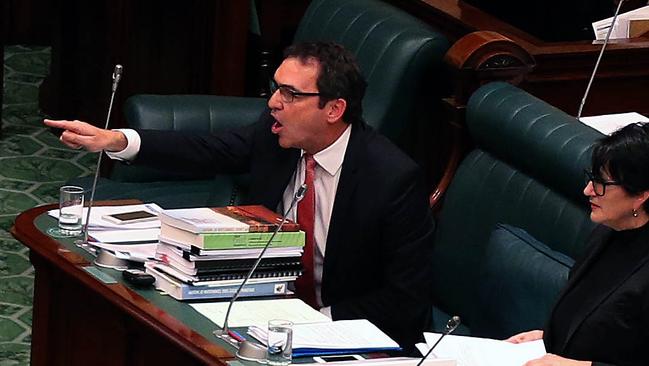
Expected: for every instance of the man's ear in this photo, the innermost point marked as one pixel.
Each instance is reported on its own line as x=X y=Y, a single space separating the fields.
x=336 y=109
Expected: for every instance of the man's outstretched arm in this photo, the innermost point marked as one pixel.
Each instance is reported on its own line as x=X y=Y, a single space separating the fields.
x=78 y=134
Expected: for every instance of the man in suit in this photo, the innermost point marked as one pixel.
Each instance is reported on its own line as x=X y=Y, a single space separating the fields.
x=369 y=227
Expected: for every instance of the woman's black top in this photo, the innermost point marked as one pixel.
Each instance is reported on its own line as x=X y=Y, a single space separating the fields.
x=605 y=302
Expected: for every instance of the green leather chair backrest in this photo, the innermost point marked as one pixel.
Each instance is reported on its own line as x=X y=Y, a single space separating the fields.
x=527 y=172
x=399 y=55
x=202 y=113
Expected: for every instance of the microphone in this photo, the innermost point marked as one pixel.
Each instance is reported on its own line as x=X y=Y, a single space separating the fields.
x=599 y=58
x=253 y=350
x=452 y=323
x=117 y=75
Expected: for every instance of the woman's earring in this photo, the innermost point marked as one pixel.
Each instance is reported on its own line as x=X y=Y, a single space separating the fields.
x=635 y=213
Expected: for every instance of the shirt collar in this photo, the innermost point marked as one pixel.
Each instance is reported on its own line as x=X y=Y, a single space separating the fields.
x=331 y=158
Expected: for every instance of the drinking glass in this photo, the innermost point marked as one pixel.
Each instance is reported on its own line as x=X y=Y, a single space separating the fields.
x=70 y=212
x=280 y=342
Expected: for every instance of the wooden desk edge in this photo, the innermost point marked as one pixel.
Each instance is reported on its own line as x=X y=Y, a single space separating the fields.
x=118 y=294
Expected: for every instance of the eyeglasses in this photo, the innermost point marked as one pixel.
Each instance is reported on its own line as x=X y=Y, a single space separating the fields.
x=286 y=93
x=599 y=184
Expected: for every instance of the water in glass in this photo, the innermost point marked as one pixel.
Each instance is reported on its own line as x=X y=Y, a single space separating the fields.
x=280 y=342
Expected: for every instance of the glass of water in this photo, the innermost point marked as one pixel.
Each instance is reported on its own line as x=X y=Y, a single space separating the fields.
x=70 y=212
x=280 y=342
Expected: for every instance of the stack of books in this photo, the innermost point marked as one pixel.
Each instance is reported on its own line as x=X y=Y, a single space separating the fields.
x=205 y=253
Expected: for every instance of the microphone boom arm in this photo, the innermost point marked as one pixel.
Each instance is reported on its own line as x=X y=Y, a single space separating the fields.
x=117 y=75
x=599 y=59
x=224 y=332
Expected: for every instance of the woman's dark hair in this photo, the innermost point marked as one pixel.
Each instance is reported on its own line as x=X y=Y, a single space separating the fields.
x=625 y=156
x=339 y=75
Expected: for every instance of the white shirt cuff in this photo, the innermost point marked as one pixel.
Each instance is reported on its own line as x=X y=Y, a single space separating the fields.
x=326 y=311
x=132 y=146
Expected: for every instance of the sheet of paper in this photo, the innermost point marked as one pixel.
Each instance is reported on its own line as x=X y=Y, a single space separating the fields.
x=341 y=334
x=394 y=361
x=135 y=252
x=132 y=236
x=259 y=312
x=98 y=223
x=474 y=351
x=609 y=123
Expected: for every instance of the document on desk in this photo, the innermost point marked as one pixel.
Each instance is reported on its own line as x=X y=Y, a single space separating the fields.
x=98 y=223
x=336 y=337
x=393 y=361
x=474 y=351
x=609 y=123
x=259 y=312
x=127 y=236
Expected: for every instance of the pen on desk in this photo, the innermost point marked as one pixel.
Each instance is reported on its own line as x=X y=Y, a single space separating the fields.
x=236 y=335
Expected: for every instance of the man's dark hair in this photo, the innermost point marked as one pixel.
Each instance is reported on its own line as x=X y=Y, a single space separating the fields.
x=339 y=76
x=625 y=156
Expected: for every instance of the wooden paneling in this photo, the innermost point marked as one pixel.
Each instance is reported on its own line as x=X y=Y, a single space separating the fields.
x=165 y=46
x=562 y=69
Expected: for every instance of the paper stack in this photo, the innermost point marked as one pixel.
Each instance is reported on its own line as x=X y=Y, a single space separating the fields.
x=631 y=24
x=474 y=351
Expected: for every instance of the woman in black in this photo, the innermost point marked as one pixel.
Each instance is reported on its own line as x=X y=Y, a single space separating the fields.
x=602 y=315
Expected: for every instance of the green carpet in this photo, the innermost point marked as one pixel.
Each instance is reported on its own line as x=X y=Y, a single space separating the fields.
x=33 y=165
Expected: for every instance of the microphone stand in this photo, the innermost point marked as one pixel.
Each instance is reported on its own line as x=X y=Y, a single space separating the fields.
x=451 y=325
x=117 y=76
x=599 y=58
x=246 y=349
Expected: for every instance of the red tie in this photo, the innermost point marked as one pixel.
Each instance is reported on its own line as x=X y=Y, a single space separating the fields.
x=304 y=286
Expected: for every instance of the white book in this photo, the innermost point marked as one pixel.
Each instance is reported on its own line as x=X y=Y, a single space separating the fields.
x=201 y=220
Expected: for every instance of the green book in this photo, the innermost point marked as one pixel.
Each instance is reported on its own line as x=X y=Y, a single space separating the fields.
x=231 y=240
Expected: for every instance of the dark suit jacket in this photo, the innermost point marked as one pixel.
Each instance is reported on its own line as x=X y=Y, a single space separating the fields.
x=380 y=235
x=614 y=328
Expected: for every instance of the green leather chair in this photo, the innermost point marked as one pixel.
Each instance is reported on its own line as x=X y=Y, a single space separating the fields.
x=398 y=55
x=526 y=172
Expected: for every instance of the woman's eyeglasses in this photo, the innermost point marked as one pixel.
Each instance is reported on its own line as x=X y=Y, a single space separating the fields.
x=599 y=184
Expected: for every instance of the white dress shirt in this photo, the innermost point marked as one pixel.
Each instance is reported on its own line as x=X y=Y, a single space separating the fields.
x=327 y=174
x=133 y=142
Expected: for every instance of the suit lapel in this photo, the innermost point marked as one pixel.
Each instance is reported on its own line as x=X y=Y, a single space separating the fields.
x=347 y=185
x=582 y=315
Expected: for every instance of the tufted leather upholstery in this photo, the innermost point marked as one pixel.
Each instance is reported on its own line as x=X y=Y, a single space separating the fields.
x=396 y=52
x=527 y=171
